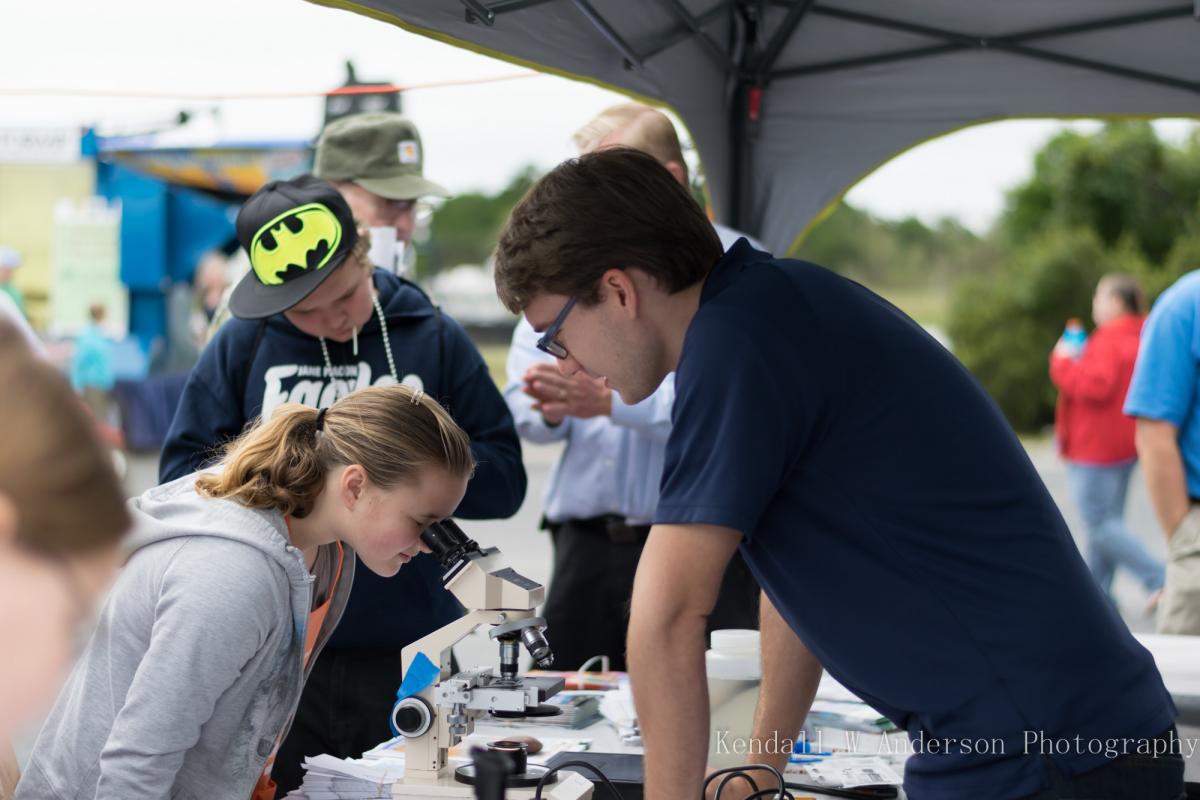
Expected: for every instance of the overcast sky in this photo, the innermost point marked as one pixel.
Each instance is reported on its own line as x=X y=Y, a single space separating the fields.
x=476 y=137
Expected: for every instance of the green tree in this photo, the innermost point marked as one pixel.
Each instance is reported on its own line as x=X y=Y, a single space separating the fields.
x=1120 y=200
x=465 y=228
x=1122 y=182
x=1004 y=330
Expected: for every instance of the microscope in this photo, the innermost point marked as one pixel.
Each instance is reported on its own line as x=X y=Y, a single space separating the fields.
x=441 y=714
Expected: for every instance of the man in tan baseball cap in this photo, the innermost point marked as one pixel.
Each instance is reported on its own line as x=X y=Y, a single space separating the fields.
x=376 y=161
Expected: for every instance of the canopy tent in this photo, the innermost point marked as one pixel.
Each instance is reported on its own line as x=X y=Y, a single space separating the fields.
x=790 y=102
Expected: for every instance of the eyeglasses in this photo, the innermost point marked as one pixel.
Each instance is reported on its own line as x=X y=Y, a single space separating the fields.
x=547 y=344
x=399 y=206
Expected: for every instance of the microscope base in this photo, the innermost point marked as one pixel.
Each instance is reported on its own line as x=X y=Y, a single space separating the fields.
x=569 y=786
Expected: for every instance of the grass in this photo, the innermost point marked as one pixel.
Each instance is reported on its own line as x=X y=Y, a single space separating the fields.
x=495 y=355
x=928 y=306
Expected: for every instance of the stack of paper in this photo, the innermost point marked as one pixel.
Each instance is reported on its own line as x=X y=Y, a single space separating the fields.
x=371 y=777
x=617 y=707
x=330 y=778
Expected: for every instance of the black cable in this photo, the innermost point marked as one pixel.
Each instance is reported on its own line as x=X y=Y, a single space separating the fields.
x=537 y=795
x=729 y=778
x=771 y=793
x=740 y=772
x=860 y=793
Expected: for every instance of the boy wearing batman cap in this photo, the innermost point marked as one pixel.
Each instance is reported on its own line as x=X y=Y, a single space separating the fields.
x=314 y=321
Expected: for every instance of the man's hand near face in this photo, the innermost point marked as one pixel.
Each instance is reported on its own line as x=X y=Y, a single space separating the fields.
x=558 y=396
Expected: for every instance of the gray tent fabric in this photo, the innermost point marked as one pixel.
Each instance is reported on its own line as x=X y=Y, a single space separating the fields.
x=790 y=102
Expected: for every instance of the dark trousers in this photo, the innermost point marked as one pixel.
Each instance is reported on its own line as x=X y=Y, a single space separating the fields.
x=345 y=710
x=587 y=612
x=1128 y=777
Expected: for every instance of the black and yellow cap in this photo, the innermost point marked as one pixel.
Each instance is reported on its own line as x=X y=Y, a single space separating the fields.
x=296 y=232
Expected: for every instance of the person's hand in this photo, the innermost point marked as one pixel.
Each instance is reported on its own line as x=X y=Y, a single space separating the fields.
x=1062 y=349
x=558 y=396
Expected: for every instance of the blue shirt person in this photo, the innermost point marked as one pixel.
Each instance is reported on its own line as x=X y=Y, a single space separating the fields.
x=1163 y=396
x=902 y=537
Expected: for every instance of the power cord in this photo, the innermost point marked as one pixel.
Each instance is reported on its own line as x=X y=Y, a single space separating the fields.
x=733 y=773
x=857 y=793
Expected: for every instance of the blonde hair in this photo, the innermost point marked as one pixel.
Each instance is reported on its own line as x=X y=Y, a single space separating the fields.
x=53 y=467
x=393 y=432
x=642 y=128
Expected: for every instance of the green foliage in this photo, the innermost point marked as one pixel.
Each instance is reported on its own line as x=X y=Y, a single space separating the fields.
x=1004 y=330
x=464 y=229
x=1117 y=201
x=909 y=262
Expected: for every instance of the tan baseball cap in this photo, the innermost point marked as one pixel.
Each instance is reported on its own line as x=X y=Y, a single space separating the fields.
x=380 y=151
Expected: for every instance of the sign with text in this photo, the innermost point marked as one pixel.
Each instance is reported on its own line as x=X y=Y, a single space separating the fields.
x=39 y=145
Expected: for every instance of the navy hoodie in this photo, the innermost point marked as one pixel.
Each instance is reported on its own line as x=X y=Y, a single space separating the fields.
x=252 y=366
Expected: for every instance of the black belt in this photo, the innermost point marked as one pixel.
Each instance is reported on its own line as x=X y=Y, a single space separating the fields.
x=613 y=527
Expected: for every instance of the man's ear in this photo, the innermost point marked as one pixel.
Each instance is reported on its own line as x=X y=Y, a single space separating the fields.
x=351 y=485
x=620 y=284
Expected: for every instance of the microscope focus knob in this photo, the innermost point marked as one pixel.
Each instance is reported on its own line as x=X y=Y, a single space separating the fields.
x=412 y=717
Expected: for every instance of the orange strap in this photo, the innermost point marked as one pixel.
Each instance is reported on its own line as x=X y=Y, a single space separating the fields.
x=265 y=788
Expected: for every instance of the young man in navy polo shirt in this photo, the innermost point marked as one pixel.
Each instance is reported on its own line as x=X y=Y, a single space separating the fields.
x=902 y=537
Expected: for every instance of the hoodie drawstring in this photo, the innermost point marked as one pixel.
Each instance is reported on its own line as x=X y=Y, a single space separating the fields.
x=387 y=345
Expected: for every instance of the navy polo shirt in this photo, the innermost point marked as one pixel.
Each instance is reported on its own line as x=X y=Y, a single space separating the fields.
x=897 y=524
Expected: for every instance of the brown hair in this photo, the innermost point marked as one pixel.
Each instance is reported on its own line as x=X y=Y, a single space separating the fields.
x=1128 y=290
x=642 y=128
x=53 y=468
x=391 y=431
x=612 y=208
x=362 y=245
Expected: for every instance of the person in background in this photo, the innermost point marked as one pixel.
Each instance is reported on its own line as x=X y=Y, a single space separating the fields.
x=237 y=576
x=1164 y=398
x=604 y=490
x=91 y=364
x=314 y=321
x=212 y=279
x=11 y=316
x=10 y=259
x=1096 y=438
x=377 y=161
x=62 y=518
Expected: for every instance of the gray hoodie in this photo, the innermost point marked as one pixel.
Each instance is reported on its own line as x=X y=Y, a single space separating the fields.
x=196 y=667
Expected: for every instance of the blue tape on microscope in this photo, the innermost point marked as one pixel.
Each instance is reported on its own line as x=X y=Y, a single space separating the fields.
x=420 y=676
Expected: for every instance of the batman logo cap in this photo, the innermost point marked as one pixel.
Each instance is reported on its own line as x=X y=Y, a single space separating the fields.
x=296 y=232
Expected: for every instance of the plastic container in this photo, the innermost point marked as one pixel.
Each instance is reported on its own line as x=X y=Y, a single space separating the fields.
x=734 y=668
x=1074 y=337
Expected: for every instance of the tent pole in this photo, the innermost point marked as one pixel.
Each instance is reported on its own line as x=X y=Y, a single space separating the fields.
x=744 y=19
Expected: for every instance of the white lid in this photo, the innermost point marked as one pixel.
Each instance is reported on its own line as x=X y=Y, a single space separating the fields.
x=736 y=641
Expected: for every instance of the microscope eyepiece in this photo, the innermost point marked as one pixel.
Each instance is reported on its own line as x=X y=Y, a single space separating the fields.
x=448 y=543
